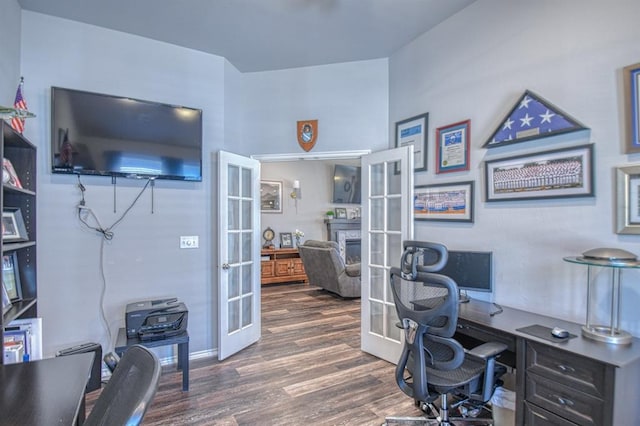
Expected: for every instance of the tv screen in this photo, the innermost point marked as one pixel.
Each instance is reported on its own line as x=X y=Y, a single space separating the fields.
x=98 y=134
x=346 y=184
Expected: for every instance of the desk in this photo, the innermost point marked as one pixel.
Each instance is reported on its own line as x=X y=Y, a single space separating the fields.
x=182 y=340
x=570 y=382
x=46 y=392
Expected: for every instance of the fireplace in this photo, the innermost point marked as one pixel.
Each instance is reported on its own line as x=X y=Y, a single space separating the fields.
x=346 y=232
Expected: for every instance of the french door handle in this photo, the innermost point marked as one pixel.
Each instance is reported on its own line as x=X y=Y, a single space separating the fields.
x=225 y=266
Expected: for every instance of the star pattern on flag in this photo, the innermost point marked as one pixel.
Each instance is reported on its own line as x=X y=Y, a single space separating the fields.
x=532 y=118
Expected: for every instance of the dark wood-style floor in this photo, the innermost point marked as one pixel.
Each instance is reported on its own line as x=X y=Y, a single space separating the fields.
x=307 y=369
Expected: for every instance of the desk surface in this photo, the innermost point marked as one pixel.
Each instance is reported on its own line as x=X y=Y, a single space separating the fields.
x=511 y=319
x=45 y=392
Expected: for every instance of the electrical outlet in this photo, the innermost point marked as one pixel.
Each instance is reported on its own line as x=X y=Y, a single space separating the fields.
x=189 y=241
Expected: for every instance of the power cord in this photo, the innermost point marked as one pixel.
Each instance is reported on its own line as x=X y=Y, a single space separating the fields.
x=107 y=235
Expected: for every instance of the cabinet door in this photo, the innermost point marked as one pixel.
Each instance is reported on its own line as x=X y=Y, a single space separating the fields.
x=267 y=269
x=283 y=267
x=298 y=267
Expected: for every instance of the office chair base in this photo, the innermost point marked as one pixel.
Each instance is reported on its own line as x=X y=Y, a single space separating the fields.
x=392 y=421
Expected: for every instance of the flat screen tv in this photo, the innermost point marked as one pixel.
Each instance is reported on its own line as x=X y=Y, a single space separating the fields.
x=346 y=184
x=97 y=134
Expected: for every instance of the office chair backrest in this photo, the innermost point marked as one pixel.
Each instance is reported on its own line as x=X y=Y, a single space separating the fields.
x=130 y=390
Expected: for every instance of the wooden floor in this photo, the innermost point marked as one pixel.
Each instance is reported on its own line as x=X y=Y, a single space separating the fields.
x=307 y=369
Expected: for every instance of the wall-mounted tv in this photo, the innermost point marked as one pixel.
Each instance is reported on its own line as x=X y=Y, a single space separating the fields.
x=97 y=134
x=346 y=184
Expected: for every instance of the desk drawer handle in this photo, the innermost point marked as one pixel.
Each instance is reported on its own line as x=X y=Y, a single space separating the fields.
x=563 y=401
x=566 y=368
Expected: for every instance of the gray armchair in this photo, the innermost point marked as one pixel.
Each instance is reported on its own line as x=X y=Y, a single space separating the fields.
x=325 y=268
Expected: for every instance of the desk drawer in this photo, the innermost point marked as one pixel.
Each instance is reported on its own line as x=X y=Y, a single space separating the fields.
x=574 y=371
x=536 y=416
x=579 y=407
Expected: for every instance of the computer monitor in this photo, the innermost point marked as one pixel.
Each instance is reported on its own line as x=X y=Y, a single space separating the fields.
x=471 y=270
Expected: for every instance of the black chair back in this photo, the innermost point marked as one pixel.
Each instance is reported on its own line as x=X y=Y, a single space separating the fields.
x=130 y=390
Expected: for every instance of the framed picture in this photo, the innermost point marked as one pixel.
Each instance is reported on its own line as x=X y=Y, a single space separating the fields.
x=286 y=240
x=413 y=131
x=631 y=75
x=444 y=202
x=628 y=200
x=13 y=228
x=270 y=196
x=559 y=173
x=9 y=175
x=341 y=213
x=11 y=276
x=452 y=152
x=6 y=302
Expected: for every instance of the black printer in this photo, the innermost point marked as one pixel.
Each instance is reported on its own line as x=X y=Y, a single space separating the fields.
x=156 y=319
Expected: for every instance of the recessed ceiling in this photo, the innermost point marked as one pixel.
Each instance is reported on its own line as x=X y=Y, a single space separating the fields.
x=261 y=35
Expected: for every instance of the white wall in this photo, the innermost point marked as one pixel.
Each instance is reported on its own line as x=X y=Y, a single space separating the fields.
x=143 y=260
x=349 y=100
x=475 y=66
x=9 y=51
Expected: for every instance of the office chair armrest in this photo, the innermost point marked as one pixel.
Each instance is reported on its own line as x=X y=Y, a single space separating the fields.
x=488 y=350
x=353 y=269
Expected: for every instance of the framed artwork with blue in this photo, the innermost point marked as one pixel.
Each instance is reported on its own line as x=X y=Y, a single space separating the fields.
x=632 y=94
x=452 y=152
x=532 y=117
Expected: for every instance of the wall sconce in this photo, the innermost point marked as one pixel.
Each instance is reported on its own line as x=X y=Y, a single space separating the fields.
x=296 y=193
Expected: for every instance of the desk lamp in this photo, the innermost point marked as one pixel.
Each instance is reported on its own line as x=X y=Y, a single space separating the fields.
x=617 y=260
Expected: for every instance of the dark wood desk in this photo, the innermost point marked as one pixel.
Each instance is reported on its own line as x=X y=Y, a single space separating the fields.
x=578 y=381
x=46 y=392
x=182 y=340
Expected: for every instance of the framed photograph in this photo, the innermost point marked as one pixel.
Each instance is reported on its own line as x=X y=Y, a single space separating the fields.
x=11 y=276
x=452 y=152
x=413 y=131
x=286 y=240
x=270 y=196
x=13 y=228
x=341 y=213
x=9 y=175
x=444 y=202
x=560 y=173
x=628 y=200
x=631 y=75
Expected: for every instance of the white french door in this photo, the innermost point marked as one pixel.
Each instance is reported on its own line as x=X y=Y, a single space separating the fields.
x=238 y=253
x=387 y=220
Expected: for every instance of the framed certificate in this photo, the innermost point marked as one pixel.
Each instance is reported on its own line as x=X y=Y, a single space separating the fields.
x=413 y=131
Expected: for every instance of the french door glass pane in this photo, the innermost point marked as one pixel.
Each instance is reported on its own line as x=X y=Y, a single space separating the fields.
x=233 y=176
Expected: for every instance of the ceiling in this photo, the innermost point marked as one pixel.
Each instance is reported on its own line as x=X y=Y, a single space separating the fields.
x=261 y=35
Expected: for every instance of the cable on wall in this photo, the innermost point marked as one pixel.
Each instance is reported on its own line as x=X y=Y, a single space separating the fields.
x=84 y=213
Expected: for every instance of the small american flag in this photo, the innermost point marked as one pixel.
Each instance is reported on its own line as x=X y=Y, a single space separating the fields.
x=16 y=122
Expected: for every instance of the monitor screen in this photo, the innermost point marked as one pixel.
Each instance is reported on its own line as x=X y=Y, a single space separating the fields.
x=98 y=134
x=471 y=270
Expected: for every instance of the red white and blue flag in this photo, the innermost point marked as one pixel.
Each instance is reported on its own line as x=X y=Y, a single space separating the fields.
x=16 y=122
x=532 y=117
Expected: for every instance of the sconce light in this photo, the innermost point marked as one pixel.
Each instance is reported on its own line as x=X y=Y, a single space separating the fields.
x=296 y=193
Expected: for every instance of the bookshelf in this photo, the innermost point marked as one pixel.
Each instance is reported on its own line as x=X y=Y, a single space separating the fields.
x=22 y=155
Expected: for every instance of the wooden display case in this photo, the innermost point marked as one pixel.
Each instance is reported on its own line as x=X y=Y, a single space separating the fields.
x=282 y=266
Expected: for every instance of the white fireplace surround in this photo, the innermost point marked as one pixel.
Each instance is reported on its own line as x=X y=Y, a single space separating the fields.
x=342 y=237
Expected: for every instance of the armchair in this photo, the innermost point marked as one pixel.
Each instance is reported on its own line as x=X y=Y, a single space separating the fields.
x=325 y=268
x=434 y=368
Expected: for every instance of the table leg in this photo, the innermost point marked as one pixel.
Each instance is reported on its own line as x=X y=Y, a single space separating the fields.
x=183 y=364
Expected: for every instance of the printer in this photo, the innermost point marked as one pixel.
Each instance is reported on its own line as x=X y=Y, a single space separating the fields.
x=156 y=319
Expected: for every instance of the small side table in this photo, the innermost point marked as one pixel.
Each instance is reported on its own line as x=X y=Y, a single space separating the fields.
x=182 y=340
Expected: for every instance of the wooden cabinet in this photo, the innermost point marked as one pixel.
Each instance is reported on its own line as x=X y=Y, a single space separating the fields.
x=282 y=266
x=19 y=251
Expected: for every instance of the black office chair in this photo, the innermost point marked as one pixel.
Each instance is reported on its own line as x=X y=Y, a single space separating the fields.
x=130 y=390
x=434 y=367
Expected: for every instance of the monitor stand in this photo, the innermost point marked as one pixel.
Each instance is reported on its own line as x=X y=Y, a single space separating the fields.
x=462 y=297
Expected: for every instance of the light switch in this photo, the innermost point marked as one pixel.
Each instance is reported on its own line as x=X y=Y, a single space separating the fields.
x=189 y=241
